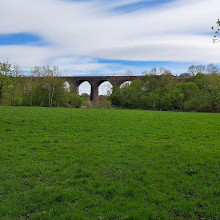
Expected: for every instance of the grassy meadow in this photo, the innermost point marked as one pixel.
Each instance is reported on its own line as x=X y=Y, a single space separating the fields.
x=58 y=163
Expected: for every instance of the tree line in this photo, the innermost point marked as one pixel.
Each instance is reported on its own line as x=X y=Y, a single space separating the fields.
x=41 y=88
x=192 y=91
x=196 y=90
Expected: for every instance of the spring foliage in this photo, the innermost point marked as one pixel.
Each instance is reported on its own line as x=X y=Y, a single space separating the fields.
x=165 y=92
x=42 y=88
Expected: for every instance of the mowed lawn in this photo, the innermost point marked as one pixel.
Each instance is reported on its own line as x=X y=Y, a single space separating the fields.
x=58 y=163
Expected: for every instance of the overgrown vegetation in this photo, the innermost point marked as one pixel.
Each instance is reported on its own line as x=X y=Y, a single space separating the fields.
x=41 y=88
x=197 y=90
x=62 y=163
x=200 y=92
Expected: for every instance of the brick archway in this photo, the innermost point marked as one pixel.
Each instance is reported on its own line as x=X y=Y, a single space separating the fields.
x=95 y=82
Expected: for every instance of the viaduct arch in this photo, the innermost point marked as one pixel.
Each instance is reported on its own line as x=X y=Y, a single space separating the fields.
x=95 y=82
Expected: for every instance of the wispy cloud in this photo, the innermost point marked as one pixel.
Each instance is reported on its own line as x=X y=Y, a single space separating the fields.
x=172 y=31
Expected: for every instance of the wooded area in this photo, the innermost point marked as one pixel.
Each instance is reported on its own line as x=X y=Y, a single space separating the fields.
x=196 y=90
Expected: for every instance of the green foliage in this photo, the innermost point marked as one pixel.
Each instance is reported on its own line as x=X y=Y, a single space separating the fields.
x=18 y=100
x=115 y=96
x=73 y=100
x=157 y=92
x=131 y=94
x=59 y=163
x=5 y=77
x=189 y=89
x=44 y=90
x=5 y=72
x=104 y=101
x=150 y=100
x=199 y=93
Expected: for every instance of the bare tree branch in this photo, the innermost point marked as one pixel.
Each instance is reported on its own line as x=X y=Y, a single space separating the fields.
x=216 y=30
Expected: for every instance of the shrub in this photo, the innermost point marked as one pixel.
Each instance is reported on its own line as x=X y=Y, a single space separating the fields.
x=73 y=100
x=104 y=101
x=18 y=101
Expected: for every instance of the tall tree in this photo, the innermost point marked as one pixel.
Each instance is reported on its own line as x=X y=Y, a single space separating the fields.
x=153 y=71
x=212 y=69
x=192 y=69
x=200 y=69
x=129 y=73
x=49 y=85
x=5 y=76
x=163 y=71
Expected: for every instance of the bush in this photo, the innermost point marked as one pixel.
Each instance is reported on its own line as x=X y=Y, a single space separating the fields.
x=73 y=100
x=104 y=101
x=200 y=93
x=18 y=101
x=191 y=105
x=150 y=101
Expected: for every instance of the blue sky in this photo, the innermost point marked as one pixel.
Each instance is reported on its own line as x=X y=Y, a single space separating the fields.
x=21 y=39
x=147 y=4
x=102 y=37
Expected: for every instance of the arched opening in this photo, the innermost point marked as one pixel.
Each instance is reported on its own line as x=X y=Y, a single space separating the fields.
x=85 y=88
x=85 y=91
x=105 y=88
x=67 y=86
x=124 y=84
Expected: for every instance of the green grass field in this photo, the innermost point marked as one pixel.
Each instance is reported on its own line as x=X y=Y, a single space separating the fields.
x=58 y=163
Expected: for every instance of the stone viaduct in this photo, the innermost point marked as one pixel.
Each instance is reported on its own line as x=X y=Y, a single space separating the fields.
x=95 y=82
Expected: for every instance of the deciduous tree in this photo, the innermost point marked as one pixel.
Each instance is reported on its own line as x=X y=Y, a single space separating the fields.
x=192 y=69
x=212 y=69
x=216 y=30
x=5 y=76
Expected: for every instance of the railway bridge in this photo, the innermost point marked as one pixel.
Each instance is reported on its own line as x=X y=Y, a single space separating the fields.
x=95 y=82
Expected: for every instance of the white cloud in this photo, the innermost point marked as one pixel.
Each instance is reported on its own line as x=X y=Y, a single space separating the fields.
x=77 y=66
x=26 y=56
x=171 y=32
